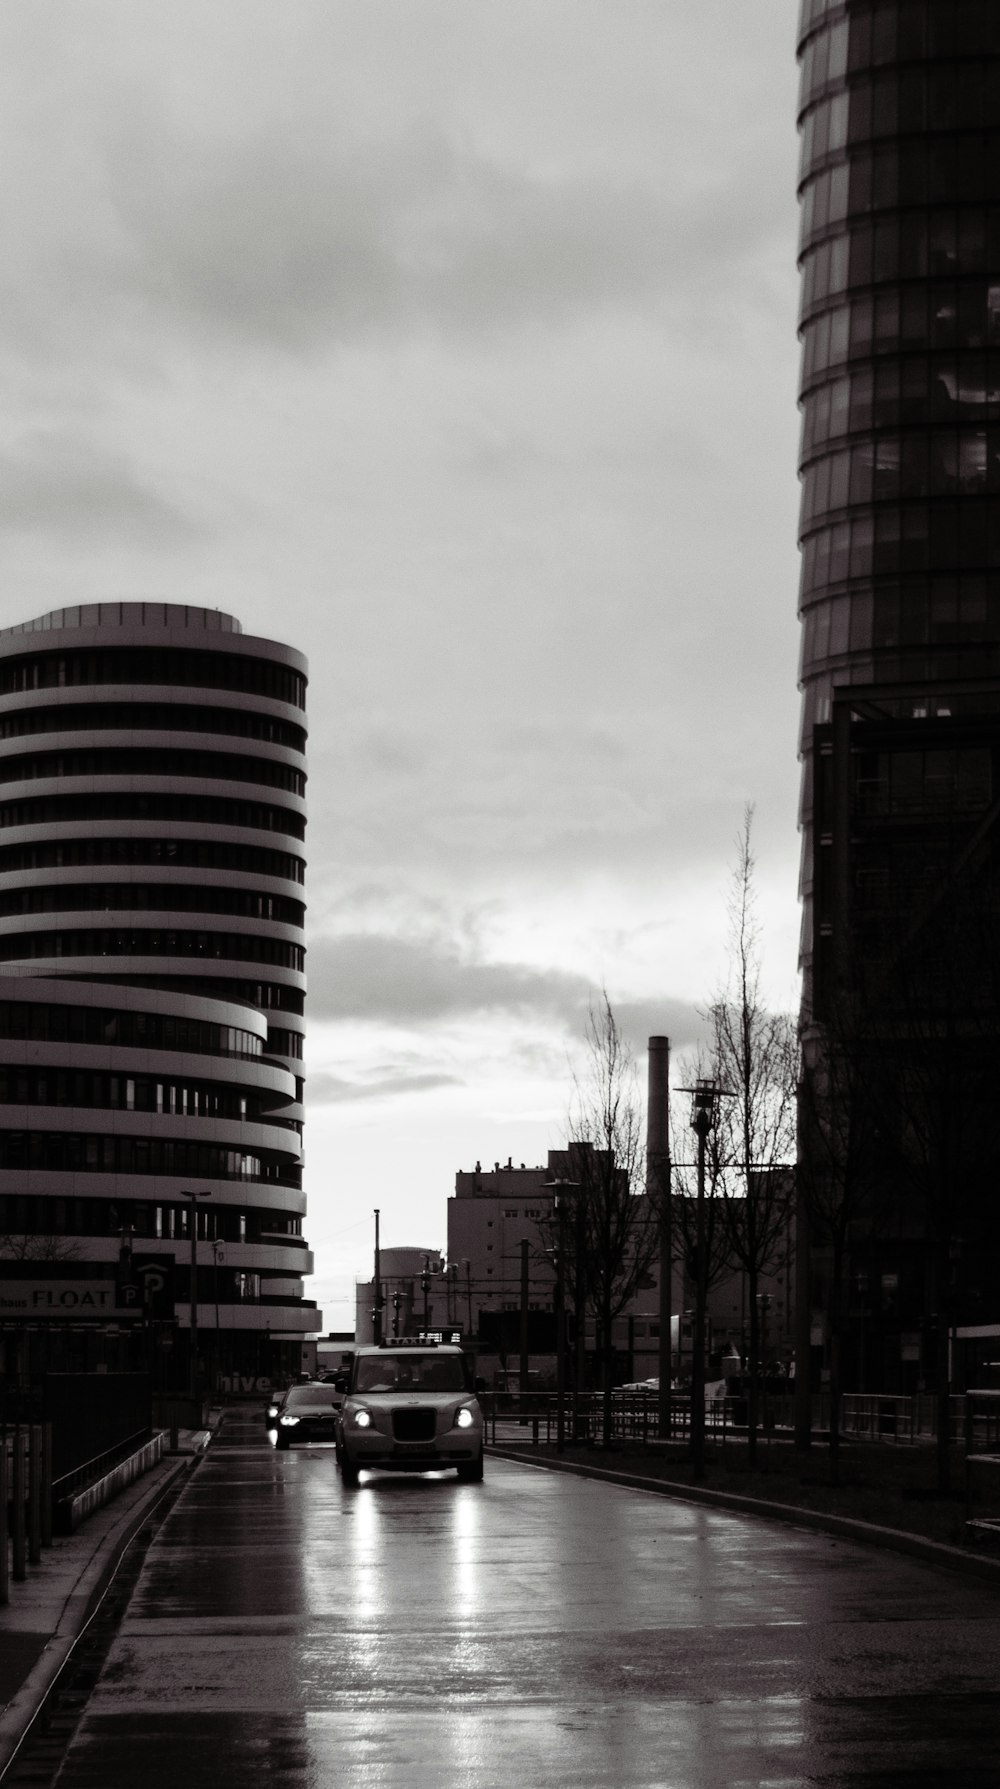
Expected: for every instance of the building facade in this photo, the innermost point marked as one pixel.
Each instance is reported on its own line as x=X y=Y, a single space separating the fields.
x=152 y=823
x=900 y=604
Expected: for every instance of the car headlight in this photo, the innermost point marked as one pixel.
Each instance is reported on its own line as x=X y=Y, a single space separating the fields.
x=361 y=1419
x=464 y=1417
x=288 y=1422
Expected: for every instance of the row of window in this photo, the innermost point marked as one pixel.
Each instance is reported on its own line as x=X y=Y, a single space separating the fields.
x=39 y=1022
x=35 y=1214
x=75 y=1152
x=194 y=854
x=269 y=996
x=148 y=717
x=236 y=947
x=890 y=467
x=285 y=1043
x=867 y=619
x=902 y=30
x=159 y=761
x=906 y=319
x=173 y=667
x=150 y=897
x=955 y=780
x=200 y=810
x=919 y=176
x=937 y=671
x=25 y=1086
x=958 y=96
x=898 y=394
x=917 y=537
x=955 y=315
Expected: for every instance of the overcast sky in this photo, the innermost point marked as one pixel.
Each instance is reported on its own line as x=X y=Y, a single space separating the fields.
x=454 y=343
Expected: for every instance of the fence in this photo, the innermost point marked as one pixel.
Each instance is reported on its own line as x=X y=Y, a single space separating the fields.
x=535 y=1417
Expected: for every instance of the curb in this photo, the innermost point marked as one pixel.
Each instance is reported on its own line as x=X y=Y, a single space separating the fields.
x=24 y=1707
x=845 y=1527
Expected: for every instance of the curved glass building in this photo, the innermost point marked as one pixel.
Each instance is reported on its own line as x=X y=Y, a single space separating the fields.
x=152 y=819
x=900 y=604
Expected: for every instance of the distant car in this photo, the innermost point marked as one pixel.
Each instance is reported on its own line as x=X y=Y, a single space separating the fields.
x=307 y=1413
x=410 y=1406
x=272 y=1408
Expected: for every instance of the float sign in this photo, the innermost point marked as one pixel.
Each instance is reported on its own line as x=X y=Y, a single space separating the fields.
x=29 y=1300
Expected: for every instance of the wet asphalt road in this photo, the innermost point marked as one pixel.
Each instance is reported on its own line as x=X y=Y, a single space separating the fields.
x=533 y=1631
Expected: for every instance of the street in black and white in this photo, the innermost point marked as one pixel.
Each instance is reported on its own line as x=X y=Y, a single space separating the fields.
x=537 y=1630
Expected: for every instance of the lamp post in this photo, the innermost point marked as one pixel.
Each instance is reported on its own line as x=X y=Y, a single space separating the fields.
x=425 y=1287
x=187 y=1193
x=557 y=1256
x=704 y=1103
x=467 y=1264
x=559 y=1188
x=219 y=1253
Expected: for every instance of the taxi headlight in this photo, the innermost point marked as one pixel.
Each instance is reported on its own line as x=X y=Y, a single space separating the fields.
x=464 y=1418
x=361 y=1419
x=288 y=1422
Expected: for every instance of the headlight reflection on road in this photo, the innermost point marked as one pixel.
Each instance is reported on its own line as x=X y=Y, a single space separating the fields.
x=466 y=1561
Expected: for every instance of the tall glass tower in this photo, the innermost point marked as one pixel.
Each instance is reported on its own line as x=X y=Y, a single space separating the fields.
x=899 y=118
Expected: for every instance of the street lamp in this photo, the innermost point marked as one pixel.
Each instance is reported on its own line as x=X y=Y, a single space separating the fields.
x=425 y=1287
x=559 y=1188
x=704 y=1105
x=219 y=1253
x=186 y=1193
x=557 y=1256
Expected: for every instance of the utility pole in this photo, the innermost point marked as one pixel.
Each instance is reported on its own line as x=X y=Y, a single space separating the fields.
x=658 y=1188
x=705 y=1100
x=523 y=1375
x=377 y=1300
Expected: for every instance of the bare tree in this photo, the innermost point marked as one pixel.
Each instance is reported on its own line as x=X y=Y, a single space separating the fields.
x=37 y=1247
x=613 y=1235
x=755 y=1063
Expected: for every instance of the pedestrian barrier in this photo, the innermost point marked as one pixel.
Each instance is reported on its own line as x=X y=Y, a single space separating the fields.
x=25 y=1500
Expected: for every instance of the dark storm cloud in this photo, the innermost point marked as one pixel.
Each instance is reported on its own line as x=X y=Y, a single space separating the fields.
x=299 y=244
x=409 y=982
x=52 y=483
x=412 y=982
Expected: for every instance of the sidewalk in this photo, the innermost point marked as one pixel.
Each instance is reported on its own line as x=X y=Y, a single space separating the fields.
x=49 y=1609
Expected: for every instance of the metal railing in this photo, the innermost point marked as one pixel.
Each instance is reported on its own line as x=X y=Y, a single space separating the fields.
x=532 y=1418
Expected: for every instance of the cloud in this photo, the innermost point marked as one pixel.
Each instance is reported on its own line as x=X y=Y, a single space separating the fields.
x=190 y=186
x=411 y=982
x=415 y=982
x=53 y=483
x=329 y=1090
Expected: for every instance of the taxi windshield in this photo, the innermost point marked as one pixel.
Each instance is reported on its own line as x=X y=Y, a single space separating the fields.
x=410 y=1372
x=312 y=1397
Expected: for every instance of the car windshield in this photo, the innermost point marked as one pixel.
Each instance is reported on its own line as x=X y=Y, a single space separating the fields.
x=410 y=1372
x=312 y=1397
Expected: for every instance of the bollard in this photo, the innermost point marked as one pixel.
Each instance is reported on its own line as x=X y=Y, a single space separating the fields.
x=46 y=1484
x=34 y=1494
x=19 y=1561
x=4 y=1535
